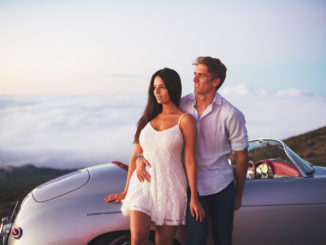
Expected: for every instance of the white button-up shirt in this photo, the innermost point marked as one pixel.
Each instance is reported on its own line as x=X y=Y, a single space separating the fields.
x=220 y=130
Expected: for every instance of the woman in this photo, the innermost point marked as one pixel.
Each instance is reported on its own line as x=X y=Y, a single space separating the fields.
x=163 y=132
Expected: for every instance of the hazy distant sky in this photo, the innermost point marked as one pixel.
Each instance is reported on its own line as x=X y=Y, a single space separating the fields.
x=82 y=130
x=76 y=49
x=91 y=47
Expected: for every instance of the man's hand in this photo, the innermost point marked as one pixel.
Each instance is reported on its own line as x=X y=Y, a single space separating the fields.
x=141 y=172
x=117 y=197
x=237 y=202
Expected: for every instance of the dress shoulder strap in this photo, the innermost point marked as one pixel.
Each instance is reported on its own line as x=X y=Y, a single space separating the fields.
x=181 y=118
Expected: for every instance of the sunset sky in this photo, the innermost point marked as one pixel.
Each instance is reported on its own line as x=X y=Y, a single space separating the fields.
x=74 y=73
x=103 y=46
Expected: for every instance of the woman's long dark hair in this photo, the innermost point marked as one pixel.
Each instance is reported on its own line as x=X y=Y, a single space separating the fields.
x=172 y=82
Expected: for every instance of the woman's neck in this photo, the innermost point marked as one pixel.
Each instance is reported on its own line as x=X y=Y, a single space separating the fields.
x=169 y=108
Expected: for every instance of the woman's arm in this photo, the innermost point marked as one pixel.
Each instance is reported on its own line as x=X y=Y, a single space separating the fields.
x=189 y=131
x=117 y=197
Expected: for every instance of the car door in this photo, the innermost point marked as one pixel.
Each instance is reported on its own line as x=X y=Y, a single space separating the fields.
x=281 y=211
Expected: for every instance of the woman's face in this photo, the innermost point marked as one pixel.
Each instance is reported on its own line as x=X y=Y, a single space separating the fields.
x=160 y=91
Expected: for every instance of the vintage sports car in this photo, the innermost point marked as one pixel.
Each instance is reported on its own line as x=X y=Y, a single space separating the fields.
x=284 y=202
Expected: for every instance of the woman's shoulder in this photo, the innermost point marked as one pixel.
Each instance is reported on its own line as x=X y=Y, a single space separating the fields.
x=186 y=119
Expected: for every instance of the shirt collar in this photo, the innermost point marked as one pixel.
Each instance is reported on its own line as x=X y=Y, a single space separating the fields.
x=217 y=99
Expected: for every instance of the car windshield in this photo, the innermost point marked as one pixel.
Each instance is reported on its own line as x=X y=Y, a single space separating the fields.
x=267 y=149
x=280 y=158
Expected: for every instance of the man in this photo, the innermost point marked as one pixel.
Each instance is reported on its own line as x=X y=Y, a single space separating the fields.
x=220 y=130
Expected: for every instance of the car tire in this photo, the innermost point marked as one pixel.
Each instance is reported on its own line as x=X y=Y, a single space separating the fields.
x=119 y=238
x=126 y=240
x=122 y=238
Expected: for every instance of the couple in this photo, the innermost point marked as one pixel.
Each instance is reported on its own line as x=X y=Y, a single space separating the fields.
x=201 y=129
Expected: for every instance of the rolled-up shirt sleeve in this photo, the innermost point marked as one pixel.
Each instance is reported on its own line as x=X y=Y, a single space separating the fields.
x=237 y=132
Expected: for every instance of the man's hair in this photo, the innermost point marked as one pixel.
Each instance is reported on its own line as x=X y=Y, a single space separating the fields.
x=214 y=66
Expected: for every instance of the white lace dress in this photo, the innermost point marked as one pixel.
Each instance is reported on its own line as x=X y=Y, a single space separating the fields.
x=164 y=199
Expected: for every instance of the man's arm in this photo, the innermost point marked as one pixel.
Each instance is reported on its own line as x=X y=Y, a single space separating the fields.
x=117 y=197
x=240 y=175
x=141 y=172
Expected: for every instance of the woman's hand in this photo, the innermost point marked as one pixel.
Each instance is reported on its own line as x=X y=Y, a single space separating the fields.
x=196 y=209
x=116 y=197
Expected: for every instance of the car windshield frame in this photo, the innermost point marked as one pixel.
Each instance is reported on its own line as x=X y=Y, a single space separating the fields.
x=304 y=165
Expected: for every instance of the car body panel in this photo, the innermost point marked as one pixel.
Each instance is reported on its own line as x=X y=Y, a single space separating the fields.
x=284 y=191
x=280 y=224
x=286 y=210
x=67 y=183
x=85 y=201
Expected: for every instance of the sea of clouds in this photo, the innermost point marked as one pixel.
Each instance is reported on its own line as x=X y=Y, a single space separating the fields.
x=83 y=130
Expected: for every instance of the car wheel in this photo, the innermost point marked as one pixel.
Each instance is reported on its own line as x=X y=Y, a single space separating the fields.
x=125 y=240
x=119 y=238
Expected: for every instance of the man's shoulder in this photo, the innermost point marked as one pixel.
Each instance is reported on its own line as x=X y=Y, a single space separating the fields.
x=188 y=97
x=186 y=101
x=228 y=105
x=229 y=109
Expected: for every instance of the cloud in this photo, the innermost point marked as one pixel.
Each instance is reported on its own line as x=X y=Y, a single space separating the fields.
x=79 y=131
x=243 y=89
x=63 y=131
x=294 y=92
x=278 y=114
x=238 y=90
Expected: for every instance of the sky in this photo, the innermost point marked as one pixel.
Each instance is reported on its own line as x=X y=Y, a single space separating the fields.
x=74 y=74
x=78 y=47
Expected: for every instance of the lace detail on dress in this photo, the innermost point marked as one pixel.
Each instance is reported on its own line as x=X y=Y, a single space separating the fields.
x=164 y=199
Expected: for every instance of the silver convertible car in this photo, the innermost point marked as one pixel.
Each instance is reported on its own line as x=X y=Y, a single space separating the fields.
x=284 y=202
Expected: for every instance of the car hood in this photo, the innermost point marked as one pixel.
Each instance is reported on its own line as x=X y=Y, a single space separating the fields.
x=102 y=178
x=61 y=185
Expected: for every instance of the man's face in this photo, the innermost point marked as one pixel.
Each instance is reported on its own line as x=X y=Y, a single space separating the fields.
x=203 y=82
